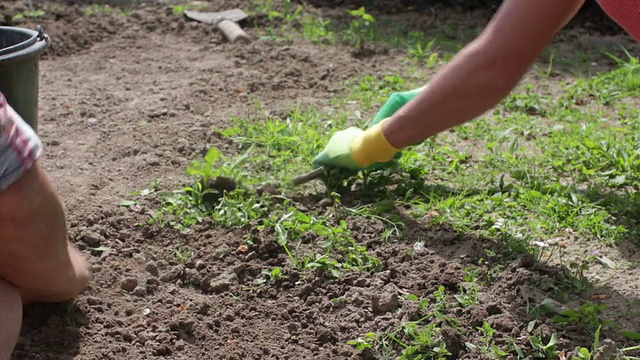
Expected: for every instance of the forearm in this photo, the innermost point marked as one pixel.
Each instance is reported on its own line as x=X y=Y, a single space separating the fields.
x=484 y=72
x=471 y=84
x=475 y=81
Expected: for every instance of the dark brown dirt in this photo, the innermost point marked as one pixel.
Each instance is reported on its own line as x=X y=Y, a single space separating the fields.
x=591 y=17
x=129 y=98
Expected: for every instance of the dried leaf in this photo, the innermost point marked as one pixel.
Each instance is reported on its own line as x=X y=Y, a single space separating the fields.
x=243 y=248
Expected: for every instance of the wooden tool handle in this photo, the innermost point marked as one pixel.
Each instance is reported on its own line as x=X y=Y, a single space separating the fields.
x=232 y=31
x=312 y=175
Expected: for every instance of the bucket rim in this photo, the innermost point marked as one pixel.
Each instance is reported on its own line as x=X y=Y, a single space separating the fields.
x=19 y=46
x=33 y=46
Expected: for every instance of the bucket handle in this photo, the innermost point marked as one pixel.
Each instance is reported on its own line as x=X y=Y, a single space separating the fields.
x=25 y=44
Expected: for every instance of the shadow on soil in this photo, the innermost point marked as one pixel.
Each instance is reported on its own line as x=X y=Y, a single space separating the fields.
x=55 y=327
x=517 y=281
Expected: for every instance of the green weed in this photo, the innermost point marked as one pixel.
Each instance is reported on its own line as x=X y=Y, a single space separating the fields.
x=28 y=14
x=358 y=29
x=178 y=9
x=272 y=276
x=419 y=339
x=361 y=28
x=290 y=230
x=182 y=255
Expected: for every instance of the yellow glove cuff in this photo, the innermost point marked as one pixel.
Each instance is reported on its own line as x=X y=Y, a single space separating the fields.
x=372 y=147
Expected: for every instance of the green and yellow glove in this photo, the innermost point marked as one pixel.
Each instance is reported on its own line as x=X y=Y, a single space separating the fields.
x=395 y=102
x=357 y=149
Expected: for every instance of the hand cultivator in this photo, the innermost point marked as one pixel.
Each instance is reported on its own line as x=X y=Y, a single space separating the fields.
x=224 y=183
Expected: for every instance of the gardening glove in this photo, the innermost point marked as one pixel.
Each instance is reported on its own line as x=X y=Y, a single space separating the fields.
x=396 y=101
x=357 y=149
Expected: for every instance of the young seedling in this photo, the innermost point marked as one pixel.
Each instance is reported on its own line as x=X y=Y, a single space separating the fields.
x=273 y=276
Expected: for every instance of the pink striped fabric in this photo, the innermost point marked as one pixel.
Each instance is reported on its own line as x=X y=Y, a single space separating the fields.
x=20 y=147
x=624 y=12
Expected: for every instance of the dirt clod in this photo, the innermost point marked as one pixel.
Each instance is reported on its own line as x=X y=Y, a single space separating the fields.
x=220 y=285
x=172 y=274
x=129 y=284
x=384 y=302
x=606 y=350
x=139 y=291
x=91 y=238
x=152 y=269
x=453 y=339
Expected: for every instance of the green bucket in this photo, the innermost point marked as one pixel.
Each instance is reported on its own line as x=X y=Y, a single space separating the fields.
x=20 y=51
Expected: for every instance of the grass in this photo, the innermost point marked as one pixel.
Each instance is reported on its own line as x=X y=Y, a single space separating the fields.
x=550 y=161
x=360 y=29
x=419 y=338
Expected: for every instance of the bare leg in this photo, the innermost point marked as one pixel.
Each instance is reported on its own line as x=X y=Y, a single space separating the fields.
x=36 y=256
x=78 y=280
x=10 y=318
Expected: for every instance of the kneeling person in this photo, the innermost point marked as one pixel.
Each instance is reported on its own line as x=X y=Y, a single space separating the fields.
x=37 y=262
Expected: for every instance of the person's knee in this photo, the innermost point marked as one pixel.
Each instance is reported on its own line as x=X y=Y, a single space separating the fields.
x=83 y=272
x=79 y=278
x=10 y=318
x=70 y=283
x=37 y=257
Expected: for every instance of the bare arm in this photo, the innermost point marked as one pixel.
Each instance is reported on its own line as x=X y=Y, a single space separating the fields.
x=484 y=72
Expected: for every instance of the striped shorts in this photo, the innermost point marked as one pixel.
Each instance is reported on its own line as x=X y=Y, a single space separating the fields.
x=20 y=146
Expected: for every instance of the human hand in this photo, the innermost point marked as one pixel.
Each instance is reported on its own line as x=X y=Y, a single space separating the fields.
x=357 y=149
x=337 y=152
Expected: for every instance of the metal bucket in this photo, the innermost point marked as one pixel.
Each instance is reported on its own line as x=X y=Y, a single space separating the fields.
x=20 y=51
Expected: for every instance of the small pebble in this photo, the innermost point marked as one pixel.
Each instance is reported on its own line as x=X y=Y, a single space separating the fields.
x=139 y=258
x=93 y=301
x=139 y=291
x=157 y=113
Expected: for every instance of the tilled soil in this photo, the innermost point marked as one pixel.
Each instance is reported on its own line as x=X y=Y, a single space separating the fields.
x=127 y=99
